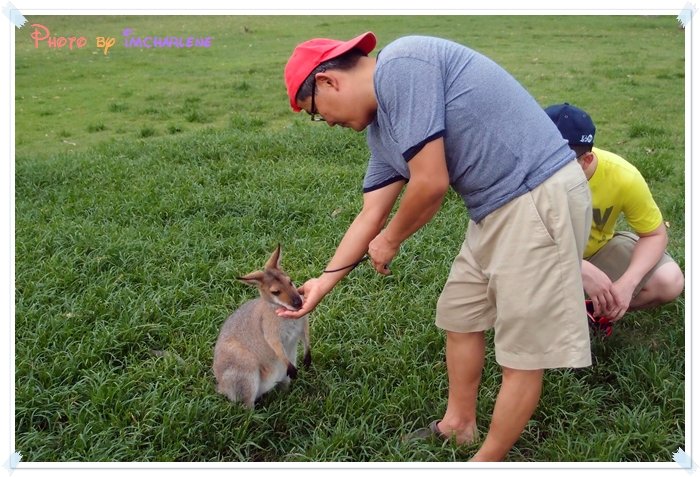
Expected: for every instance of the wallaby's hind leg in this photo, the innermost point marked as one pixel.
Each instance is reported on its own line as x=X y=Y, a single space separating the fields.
x=285 y=383
x=240 y=386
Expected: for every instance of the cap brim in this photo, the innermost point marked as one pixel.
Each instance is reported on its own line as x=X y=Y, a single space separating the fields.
x=365 y=43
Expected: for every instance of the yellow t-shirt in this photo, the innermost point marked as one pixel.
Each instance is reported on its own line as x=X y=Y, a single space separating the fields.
x=617 y=186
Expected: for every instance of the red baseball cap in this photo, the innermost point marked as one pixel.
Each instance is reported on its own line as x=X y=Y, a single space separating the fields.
x=308 y=55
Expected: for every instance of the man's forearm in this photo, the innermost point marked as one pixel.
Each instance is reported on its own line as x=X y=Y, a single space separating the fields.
x=423 y=195
x=646 y=254
x=419 y=204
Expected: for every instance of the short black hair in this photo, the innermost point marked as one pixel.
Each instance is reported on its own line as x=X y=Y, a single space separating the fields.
x=346 y=61
x=581 y=149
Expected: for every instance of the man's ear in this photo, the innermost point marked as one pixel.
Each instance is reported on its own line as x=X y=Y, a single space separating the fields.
x=326 y=79
x=586 y=158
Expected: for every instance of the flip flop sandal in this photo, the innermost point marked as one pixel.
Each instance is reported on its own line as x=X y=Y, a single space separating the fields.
x=427 y=433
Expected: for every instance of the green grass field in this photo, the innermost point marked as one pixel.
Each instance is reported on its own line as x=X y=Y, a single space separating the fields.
x=148 y=179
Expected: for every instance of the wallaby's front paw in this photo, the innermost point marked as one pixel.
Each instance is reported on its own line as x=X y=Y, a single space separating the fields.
x=307 y=359
x=291 y=371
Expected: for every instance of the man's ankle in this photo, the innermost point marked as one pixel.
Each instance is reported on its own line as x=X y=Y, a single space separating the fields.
x=464 y=431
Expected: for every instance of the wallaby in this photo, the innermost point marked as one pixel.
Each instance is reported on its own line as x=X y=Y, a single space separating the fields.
x=257 y=349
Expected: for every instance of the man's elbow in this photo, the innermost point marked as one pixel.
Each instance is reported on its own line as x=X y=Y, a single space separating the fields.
x=435 y=188
x=660 y=234
x=374 y=218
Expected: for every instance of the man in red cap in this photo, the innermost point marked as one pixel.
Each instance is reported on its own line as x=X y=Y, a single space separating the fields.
x=441 y=115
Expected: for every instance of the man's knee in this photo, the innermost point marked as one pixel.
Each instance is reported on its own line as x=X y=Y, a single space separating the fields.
x=533 y=376
x=666 y=283
x=672 y=282
x=469 y=339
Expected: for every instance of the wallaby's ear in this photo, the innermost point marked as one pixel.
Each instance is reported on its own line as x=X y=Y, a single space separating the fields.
x=274 y=261
x=254 y=278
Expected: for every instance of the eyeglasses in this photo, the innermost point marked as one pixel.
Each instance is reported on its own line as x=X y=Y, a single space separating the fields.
x=314 y=114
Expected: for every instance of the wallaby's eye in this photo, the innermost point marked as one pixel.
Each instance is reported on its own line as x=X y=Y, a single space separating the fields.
x=290 y=283
x=275 y=292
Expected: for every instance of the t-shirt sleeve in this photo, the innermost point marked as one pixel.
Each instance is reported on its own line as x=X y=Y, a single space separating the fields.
x=412 y=94
x=380 y=174
x=640 y=209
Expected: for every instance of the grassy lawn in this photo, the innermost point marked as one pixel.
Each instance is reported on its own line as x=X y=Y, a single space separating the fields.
x=148 y=179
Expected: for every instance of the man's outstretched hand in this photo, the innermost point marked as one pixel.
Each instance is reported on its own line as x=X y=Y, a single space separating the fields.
x=313 y=292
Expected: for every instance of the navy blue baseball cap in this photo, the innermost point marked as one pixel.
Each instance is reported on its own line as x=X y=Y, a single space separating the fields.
x=575 y=125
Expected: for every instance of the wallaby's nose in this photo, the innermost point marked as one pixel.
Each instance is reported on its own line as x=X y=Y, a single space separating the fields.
x=296 y=302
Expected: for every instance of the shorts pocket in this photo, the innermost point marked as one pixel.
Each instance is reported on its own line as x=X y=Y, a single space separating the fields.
x=537 y=217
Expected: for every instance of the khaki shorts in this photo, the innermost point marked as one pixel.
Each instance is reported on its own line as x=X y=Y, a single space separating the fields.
x=614 y=257
x=519 y=272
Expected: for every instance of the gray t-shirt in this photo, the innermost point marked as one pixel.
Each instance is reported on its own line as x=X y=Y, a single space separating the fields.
x=499 y=143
